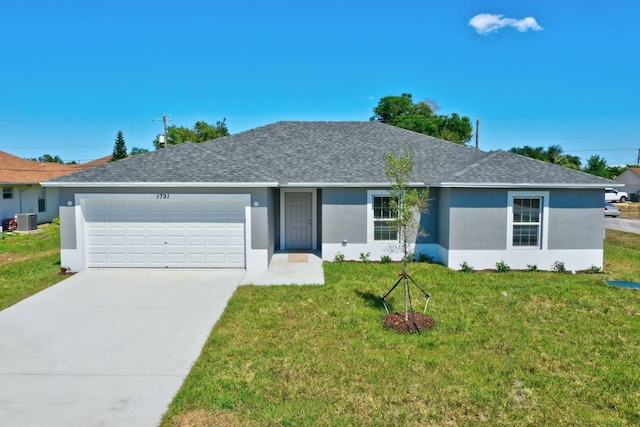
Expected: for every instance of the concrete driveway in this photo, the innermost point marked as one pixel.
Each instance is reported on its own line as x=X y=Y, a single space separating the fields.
x=630 y=225
x=106 y=347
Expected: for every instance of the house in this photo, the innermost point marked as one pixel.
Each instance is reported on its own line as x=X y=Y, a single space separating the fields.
x=21 y=191
x=319 y=186
x=631 y=180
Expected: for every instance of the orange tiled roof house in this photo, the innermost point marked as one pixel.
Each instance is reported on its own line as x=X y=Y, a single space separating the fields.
x=21 y=191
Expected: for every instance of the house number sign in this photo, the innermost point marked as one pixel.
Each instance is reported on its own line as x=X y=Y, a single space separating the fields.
x=162 y=196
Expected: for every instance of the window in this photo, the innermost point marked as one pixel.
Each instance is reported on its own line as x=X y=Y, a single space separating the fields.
x=7 y=192
x=526 y=221
x=527 y=215
x=42 y=199
x=384 y=227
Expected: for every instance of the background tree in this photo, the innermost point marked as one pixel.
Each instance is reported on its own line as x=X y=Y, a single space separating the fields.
x=47 y=158
x=596 y=165
x=402 y=112
x=554 y=154
x=135 y=151
x=119 y=148
x=201 y=131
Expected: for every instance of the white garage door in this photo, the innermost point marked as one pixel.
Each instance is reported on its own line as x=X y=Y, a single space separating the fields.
x=165 y=233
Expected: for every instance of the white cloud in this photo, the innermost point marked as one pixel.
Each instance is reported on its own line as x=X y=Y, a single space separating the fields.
x=486 y=23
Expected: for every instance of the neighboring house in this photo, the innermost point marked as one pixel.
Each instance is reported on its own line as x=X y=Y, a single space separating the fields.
x=319 y=186
x=631 y=180
x=21 y=191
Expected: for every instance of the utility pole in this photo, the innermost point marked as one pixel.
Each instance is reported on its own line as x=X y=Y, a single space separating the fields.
x=162 y=139
x=638 y=161
x=477 y=131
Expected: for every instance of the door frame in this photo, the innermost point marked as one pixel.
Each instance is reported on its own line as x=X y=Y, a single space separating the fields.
x=314 y=215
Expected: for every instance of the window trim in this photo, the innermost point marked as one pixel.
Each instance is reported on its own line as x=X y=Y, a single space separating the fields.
x=544 y=219
x=42 y=192
x=370 y=217
x=5 y=192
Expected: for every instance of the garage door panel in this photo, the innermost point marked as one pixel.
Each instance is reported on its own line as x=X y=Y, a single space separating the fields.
x=161 y=233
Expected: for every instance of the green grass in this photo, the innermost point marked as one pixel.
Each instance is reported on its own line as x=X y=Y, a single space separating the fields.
x=560 y=349
x=29 y=263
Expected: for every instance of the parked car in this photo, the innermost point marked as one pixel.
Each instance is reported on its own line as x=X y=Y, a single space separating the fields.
x=9 y=224
x=611 y=210
x=613 y=195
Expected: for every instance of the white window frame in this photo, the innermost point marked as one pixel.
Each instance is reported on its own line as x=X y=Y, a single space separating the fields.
x=544 y=219
x=370 y=217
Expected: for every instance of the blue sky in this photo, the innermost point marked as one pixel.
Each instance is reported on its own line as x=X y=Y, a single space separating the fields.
x=536 y=72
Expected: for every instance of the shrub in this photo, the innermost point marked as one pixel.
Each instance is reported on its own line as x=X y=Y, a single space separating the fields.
x=339 y=257
x=410 y=256
x=425 y=258
x=365 y=257
x=385 y=259
x=532 y=267
x=558 y=267
x=502 y=267
x=466 y=268
x=594 y=269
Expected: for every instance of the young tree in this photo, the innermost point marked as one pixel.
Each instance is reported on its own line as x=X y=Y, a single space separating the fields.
x=401 y=111
x=119 y=148
x=406 y=205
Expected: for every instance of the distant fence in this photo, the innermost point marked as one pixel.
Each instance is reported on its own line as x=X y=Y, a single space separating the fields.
x=629 y=210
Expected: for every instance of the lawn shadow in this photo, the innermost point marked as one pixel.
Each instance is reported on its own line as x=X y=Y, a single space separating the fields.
x=370 y=299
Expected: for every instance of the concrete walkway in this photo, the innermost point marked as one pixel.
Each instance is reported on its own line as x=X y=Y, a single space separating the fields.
x=112 y=347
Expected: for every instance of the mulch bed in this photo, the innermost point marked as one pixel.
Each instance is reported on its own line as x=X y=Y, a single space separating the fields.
x=416 y=323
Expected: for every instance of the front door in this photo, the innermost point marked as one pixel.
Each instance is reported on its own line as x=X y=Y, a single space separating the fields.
x=298 y=219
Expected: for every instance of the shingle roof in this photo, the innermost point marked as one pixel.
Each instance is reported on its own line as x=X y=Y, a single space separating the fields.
x=16 y=170
x=325 y=153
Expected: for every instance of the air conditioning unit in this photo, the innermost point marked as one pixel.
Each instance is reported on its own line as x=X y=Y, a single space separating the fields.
x=27 y=222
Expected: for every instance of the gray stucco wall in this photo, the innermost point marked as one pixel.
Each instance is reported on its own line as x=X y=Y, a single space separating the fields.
x=444 y=197
x=477 y=219
x=344 y=215
x=429 y=221
x=576 y=219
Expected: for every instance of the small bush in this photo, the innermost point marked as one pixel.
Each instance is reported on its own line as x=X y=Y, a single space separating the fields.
x=365 y=257
x=502 y=266
x=466 y=268
x=594 y=269
x=410 y=257
x=339 y=257
x=425 y=258
x=558 y=267
x=385 y=259
x=532 y=267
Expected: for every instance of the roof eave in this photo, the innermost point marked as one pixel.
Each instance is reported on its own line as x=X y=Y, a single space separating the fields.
x=522 y=185
x=346 y=184
x=70 y=184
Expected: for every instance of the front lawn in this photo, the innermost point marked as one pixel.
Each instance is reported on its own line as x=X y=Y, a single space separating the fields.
x=29 y=263
x=559 y=349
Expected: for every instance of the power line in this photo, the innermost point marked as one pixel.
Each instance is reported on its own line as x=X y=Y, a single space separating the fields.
x=77 y=120
x=562 y=114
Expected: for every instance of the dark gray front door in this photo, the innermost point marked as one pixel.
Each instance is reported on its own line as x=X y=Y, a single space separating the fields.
x=298 y=220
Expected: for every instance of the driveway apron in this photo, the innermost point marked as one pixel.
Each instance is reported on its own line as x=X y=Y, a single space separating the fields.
x=106 y=347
